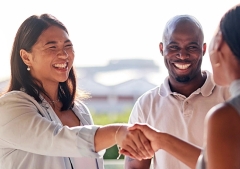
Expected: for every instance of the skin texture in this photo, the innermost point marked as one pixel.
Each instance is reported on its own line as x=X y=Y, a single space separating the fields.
x=50 y=61
x=182 y=48
x=185 y=152
x=53 y=48
x=222 y=139
x=134 y=143
x=222 y=123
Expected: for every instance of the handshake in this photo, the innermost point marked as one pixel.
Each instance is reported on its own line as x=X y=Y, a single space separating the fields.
x=139 y=141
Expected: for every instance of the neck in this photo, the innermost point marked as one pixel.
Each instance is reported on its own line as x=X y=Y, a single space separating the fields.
x=52 y=93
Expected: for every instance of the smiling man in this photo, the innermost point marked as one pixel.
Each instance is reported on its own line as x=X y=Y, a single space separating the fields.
x=179 y=105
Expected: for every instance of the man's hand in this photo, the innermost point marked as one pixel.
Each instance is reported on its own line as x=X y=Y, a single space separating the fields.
x=153 y=135
x=134 y=143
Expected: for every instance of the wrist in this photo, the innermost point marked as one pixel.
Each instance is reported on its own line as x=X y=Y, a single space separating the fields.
x=119 y=134
x=116 y=133
x=165 y=141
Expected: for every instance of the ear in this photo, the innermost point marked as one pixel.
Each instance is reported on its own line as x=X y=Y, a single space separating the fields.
x=216 y=42
x=215 y=51
x=161 y=48
x=25 y=57
x=204 y=48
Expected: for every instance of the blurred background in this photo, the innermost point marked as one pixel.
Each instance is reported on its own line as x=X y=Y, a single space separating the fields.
x=116 y=45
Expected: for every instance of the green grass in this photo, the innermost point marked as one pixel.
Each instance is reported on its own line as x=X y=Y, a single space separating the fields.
x=107 y=118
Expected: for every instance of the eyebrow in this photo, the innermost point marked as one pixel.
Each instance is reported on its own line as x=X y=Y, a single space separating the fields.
x=172 y=42
x=191 y=43
x=54 y=42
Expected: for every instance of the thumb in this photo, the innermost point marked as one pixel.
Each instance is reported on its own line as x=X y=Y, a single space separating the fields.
x=135 y=127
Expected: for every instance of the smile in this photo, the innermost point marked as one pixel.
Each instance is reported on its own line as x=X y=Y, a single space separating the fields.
x=182 y=66
x=60 y=65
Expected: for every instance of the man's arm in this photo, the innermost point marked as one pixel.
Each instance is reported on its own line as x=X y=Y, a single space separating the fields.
x=132 y=142
x=183 y=151
x=131 y=163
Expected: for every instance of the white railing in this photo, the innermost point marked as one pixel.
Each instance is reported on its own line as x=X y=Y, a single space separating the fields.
x=115 y=164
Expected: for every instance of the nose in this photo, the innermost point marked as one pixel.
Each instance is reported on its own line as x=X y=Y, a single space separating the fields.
x=183 y=54
x=63 y=54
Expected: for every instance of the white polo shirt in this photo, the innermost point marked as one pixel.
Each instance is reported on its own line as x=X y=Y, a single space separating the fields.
x=178 y=115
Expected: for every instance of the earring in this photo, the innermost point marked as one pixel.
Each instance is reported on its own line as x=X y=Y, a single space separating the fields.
x=28 y=68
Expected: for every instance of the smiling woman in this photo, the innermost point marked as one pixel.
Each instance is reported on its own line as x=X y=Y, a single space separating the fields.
x=42 y=114
x=42 y=58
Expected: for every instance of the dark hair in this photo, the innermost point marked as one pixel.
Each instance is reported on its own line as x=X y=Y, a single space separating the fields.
x=230 y=28
x=26 y=36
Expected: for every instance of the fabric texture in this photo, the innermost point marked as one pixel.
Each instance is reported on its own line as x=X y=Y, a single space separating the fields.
x=32 y=136
x=177 y=115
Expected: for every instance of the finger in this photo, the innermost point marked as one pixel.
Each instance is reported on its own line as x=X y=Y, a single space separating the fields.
x=128 y=144
x=136 y=143
x=132 y=152
x=144 y=146
x=134 y=127
x=126 y=153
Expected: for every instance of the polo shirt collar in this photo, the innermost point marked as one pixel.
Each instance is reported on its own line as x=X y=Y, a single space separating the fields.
x=205 y=90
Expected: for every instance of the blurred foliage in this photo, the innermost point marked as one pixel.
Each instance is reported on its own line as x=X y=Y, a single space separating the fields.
x=109 y=118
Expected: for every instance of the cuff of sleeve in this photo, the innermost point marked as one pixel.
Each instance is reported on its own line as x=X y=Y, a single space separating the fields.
x=86 y=142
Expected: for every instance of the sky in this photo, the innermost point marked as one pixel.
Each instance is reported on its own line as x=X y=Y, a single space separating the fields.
x=103 y=30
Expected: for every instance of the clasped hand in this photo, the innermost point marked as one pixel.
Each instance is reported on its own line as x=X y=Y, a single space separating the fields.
x=139 y=141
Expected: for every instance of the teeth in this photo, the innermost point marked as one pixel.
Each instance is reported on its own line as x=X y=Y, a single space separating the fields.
x=181 y=66
x=63 y=65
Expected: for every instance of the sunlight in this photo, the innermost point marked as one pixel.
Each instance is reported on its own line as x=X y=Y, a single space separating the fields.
x=106 y=29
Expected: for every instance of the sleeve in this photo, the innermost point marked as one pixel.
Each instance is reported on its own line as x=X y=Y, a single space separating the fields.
x=22 y=127
x=136 y=113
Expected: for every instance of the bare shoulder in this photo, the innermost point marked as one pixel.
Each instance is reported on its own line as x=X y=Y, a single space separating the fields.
x=131 y=163
x=222 y=112
x=223 y=117
x=223 y=137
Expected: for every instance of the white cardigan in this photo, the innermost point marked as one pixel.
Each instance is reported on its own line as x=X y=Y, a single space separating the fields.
x=33 y=137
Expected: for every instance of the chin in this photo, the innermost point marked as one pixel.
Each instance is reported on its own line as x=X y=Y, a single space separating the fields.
x=62 y=80
x=183 y=79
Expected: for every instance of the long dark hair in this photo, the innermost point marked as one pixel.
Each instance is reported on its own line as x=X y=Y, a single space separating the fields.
x=230 y=28
x=25 y=38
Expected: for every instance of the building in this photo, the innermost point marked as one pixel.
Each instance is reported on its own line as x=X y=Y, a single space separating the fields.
x=115 y=87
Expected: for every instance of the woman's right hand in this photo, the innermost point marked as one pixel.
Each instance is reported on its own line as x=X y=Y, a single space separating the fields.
x=151 y=134
x=134 y=143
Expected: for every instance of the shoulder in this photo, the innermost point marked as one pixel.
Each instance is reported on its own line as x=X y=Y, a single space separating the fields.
x=15 y=96
x=211 y=89
x=223 y=136
x=150 y=94
x=78 y=104
x=222 y=116
x=16 y=104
